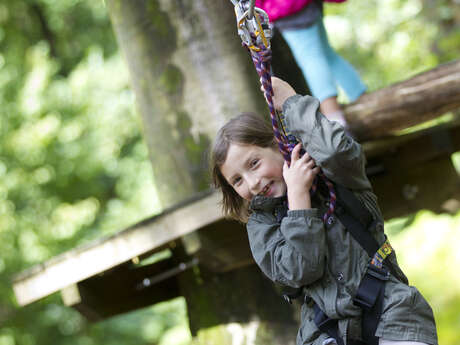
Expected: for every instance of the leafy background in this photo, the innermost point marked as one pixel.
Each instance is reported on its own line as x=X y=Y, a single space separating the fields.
x=74 y=166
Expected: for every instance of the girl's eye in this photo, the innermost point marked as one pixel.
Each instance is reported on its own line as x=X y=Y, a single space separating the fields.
x=254 y=162
x=236 y=181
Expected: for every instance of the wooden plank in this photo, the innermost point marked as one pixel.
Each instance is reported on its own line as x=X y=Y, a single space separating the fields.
x=220 y=247
x=415 y=171
x=121 y=290
x=84 y=262
x=426 y=138
x=408 y=103
x=405 y=191
x=73 y=297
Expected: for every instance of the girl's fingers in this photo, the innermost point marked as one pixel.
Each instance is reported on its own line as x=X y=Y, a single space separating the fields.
x=310 y=164
x=296 y=153
x=306 y=157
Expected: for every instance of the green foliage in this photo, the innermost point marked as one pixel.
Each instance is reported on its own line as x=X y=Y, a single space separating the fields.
x=73 y=164
x=428 y=253
x=74 y=167
x=378 y=37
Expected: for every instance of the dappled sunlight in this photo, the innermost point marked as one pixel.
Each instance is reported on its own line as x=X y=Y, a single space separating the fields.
x=67 y=219
x=32 y=250
x=456 y=162
x=41 y=70
x=177 y=335
x=428 y=252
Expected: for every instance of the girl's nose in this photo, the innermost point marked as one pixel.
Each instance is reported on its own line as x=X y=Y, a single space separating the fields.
x=254 y=184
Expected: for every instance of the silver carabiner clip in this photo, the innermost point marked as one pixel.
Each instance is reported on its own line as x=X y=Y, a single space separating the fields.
x=251 y=9
x=254 y=32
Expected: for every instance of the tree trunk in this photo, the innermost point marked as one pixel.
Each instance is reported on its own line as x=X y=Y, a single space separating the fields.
x=407 y=103
x=182 y=65
x=190 y=74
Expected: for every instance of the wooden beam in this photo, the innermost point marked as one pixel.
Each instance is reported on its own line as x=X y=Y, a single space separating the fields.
x=405 y=104
x=139 y=239
x=407 y=190
x=72 y=296
x=416 y=171
x=121 y=290
x=220 y=247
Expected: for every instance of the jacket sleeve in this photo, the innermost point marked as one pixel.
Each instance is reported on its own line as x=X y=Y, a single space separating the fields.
x=339 y=156
x=292 y=253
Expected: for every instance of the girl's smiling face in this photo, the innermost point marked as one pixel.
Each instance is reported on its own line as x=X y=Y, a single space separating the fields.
x=252 y=170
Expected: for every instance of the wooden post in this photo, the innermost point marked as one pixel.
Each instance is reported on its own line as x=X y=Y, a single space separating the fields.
x=190 y=74
x=225 y=306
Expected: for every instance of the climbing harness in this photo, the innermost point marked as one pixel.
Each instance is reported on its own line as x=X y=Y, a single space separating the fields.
x=370 y=294
x=255 y=32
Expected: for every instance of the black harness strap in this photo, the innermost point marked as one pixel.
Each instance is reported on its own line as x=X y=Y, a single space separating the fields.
x=354 y=215
x=369 y=297
x=356 y=218
x=327 y=325
x=353 y=206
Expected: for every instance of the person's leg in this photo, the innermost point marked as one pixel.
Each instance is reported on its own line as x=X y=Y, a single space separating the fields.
x=333 y=111
x=344 y=73
x=310 y=48
x=393 y=342
x=310 y=55
x=330 y=105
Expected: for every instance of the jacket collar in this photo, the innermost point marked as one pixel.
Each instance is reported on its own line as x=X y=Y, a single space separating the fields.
x=265 y=203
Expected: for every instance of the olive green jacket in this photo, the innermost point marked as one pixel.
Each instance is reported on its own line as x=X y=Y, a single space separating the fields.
x=300 y=251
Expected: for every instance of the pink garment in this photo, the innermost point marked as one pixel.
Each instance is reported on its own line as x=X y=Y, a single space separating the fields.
x=277 y=9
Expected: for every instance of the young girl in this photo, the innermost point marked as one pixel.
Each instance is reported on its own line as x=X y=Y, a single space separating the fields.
x=288 y=238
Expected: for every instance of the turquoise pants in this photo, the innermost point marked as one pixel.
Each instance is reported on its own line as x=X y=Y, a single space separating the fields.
x=322 y=67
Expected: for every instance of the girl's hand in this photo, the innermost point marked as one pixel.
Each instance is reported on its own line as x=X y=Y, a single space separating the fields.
x=299 y=178
x=281 y=92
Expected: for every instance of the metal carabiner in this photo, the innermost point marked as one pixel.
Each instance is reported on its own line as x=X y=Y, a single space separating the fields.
x=251 y=9
x=255 y=32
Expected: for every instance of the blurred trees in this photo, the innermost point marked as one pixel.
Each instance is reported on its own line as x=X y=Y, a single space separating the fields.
x=74 y=166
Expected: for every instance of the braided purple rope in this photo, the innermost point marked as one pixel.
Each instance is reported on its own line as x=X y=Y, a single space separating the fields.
x=262 y=60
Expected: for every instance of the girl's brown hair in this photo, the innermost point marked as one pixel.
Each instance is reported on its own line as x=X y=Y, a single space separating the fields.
x=245 y=129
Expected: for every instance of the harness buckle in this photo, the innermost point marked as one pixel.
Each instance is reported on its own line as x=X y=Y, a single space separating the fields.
x=323 y=321
x=380 y=273
x=371 y=286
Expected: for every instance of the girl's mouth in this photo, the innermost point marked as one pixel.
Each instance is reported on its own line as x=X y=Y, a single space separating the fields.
x=267 y=189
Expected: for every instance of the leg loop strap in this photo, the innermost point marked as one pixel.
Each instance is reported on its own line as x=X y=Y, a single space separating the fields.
x=327 y=325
